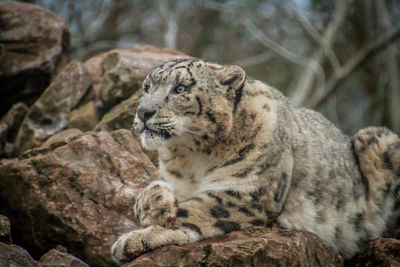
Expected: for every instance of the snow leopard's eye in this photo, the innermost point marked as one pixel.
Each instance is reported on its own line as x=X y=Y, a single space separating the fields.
x=180 y=89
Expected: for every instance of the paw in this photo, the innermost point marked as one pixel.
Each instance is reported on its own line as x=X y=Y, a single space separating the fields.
x=156 y=205
x=128 y=247
x=133 y=244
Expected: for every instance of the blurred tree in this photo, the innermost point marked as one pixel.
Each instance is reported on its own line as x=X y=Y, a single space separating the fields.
x=340 y=57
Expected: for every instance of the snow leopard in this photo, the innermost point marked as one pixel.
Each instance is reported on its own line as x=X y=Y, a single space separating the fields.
x=234 y=153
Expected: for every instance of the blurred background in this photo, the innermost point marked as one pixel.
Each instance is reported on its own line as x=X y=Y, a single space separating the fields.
x=338 y=57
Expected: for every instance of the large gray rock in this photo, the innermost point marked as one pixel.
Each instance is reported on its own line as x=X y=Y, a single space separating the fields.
x=50 y=113
x=9 y=126
x=61 y=138
x=57 y=258
x=120 y=116
x=35 y=45
x=77 y=193
x=84 y=118
x=15 y=256
x=124 y=70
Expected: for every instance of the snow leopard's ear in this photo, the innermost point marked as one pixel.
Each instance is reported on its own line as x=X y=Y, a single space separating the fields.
x=232 y=76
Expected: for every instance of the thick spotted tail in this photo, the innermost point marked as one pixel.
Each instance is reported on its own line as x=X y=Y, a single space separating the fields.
x=378 y=152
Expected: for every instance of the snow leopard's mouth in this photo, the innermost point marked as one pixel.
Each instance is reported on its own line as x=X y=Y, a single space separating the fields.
x=160 y=133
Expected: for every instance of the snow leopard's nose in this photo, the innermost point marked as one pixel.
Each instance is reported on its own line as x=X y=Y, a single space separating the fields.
x=145 y=113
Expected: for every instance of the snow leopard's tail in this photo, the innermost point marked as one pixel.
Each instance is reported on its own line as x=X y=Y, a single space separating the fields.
x=378 y=152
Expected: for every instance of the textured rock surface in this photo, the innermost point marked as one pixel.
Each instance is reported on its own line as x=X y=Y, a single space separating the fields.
x=56 y=258
x=255 y=246
x=61 y=138
x=93 y=65
x=379 y=252
x=11 y=123
x=78 y=195
x=124 y=71
x=15 y=256
x=50 y=113
x=120 y=116
x=35 y=44
x=5 y=230
x=84 y=118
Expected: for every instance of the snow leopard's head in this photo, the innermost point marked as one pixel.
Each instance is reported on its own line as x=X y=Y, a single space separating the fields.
x=188 y=102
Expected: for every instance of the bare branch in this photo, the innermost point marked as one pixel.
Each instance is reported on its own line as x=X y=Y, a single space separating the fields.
x=364 y=54
x=327 y=46
x=265 y=40
x=306 y=83
x=254 y=60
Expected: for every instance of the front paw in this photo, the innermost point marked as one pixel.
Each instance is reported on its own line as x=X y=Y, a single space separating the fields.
x=129 y=246
x=156 y=205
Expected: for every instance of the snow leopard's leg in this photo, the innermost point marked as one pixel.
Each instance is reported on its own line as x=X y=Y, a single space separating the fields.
x=205 y=215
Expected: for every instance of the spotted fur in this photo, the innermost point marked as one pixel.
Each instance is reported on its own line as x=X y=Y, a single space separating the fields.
x=235 y=153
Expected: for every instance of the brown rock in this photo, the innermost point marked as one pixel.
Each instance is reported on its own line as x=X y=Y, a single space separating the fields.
x=61 y=138
x=79 y=195
x=93 y=65
x=256 y=246
x=84 y=118
x=35 y=45
x=379 y=252
x=121 y=117
x=9 y=126
x=15 y=256
x=55 y=258
x=50 y=113
x=124 y=71
x=5 y=231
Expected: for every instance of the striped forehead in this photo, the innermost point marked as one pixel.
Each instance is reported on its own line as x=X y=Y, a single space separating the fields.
x=182 y=68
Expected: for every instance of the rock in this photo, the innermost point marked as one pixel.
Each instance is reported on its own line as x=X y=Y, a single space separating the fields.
x=93 y=65
x=124 y=71
x=84 y=118
x=15 y=256
x=9 y=126
x=5 y=230
x=55 y=258
x=121 y=117
x=61 y=138
x=256 y=246
x=79 y=194
x=379 y=252
x=34 y=46
x=50 y=113
x=11 y=255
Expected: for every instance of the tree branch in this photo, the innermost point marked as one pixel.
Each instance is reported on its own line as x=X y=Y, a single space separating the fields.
x=269 y=43
x=344 y=72
x=253 y=60
x=313 y=32
x=305 y=86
